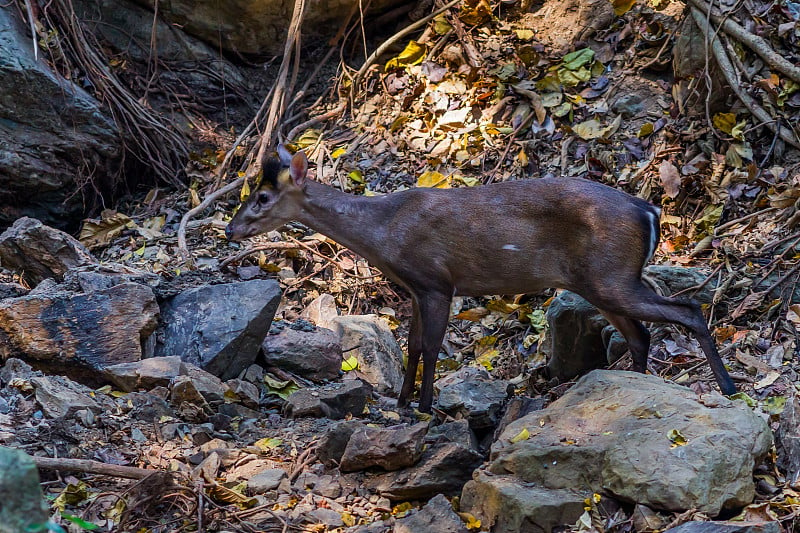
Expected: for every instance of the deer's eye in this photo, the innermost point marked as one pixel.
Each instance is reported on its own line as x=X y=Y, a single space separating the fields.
x=263 y=197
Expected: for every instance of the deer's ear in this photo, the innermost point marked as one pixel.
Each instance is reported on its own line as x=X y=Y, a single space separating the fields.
x=298 y=167
x=284 y=155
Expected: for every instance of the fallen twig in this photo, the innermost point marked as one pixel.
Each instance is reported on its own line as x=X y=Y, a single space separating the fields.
x=753 y=42
x=258 y=248
x=64 y=464
x=396 y=37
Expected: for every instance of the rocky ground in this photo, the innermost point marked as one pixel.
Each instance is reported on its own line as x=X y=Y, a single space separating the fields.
x=268 y=406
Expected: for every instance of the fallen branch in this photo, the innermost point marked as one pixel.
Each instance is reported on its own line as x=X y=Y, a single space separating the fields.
x=730 y=76
x=87 y=466
x=184 y=250
x=753 y=42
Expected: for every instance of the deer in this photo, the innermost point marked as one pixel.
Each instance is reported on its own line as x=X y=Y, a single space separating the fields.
x=510 y=237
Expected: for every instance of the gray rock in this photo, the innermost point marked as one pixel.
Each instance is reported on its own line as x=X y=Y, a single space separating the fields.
x=96 y=277
x=787 y=440
x=334 y=441
x=54 y=138
x=60 y=397
x=575 y=337
x=389 y=448
x=480 y=400
x=672 y=279
x=321 y=311
x=241 y=28
x=457 y=431
x=316 y=354
x=617 y=425
x=437 y=516
x=335 y=400
x=372 y=342
x=23 y=506
x=207 y=385
x=219 y=328
x=59 y=328
x=132 y=29
x=727 y=527
x=247 y=393
x=518 y=407
x=504 y=505
x=443 y=469
x=12 y=290
x=266 y=480
x=329 y=517
x=145 y=374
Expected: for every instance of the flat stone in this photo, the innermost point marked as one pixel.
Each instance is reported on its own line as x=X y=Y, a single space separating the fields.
x=266 y=480
x=145 y=374
x=727 y=527
x=60 y=397
x=443 y=469
x=59 y=328
x=480 y=400
x=335 y=400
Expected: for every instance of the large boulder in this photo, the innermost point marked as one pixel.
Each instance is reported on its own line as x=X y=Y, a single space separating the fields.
x=641 y=440
x=256 y=27
x=61 y=329
x=219 y=328
x=54 y=139
x=39 y=252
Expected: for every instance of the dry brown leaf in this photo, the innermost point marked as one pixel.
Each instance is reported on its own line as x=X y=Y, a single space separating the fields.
x=670 y=178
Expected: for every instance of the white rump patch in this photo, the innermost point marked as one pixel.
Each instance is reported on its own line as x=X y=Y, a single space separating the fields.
x=512 y=247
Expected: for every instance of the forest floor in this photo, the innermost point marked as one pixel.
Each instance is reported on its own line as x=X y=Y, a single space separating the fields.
x=494 y=92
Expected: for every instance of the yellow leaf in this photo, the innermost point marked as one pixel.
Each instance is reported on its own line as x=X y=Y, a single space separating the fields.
x=524 y=35
x=724 y=122
x=245 y=193
x=622 y=6
x=441 y=25
x=431 y=178
x=338 y=152
x=307 y=138
x=646 y=129
x=356 y=176
x=267 y=444
x=413 y=54
x=676 y=438
x=351 y=363
x=140 y=251
x=348 y=519
x=522 y=435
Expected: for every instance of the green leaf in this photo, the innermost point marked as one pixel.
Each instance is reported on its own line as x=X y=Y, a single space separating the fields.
x=80 y=522
x=578 y=58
